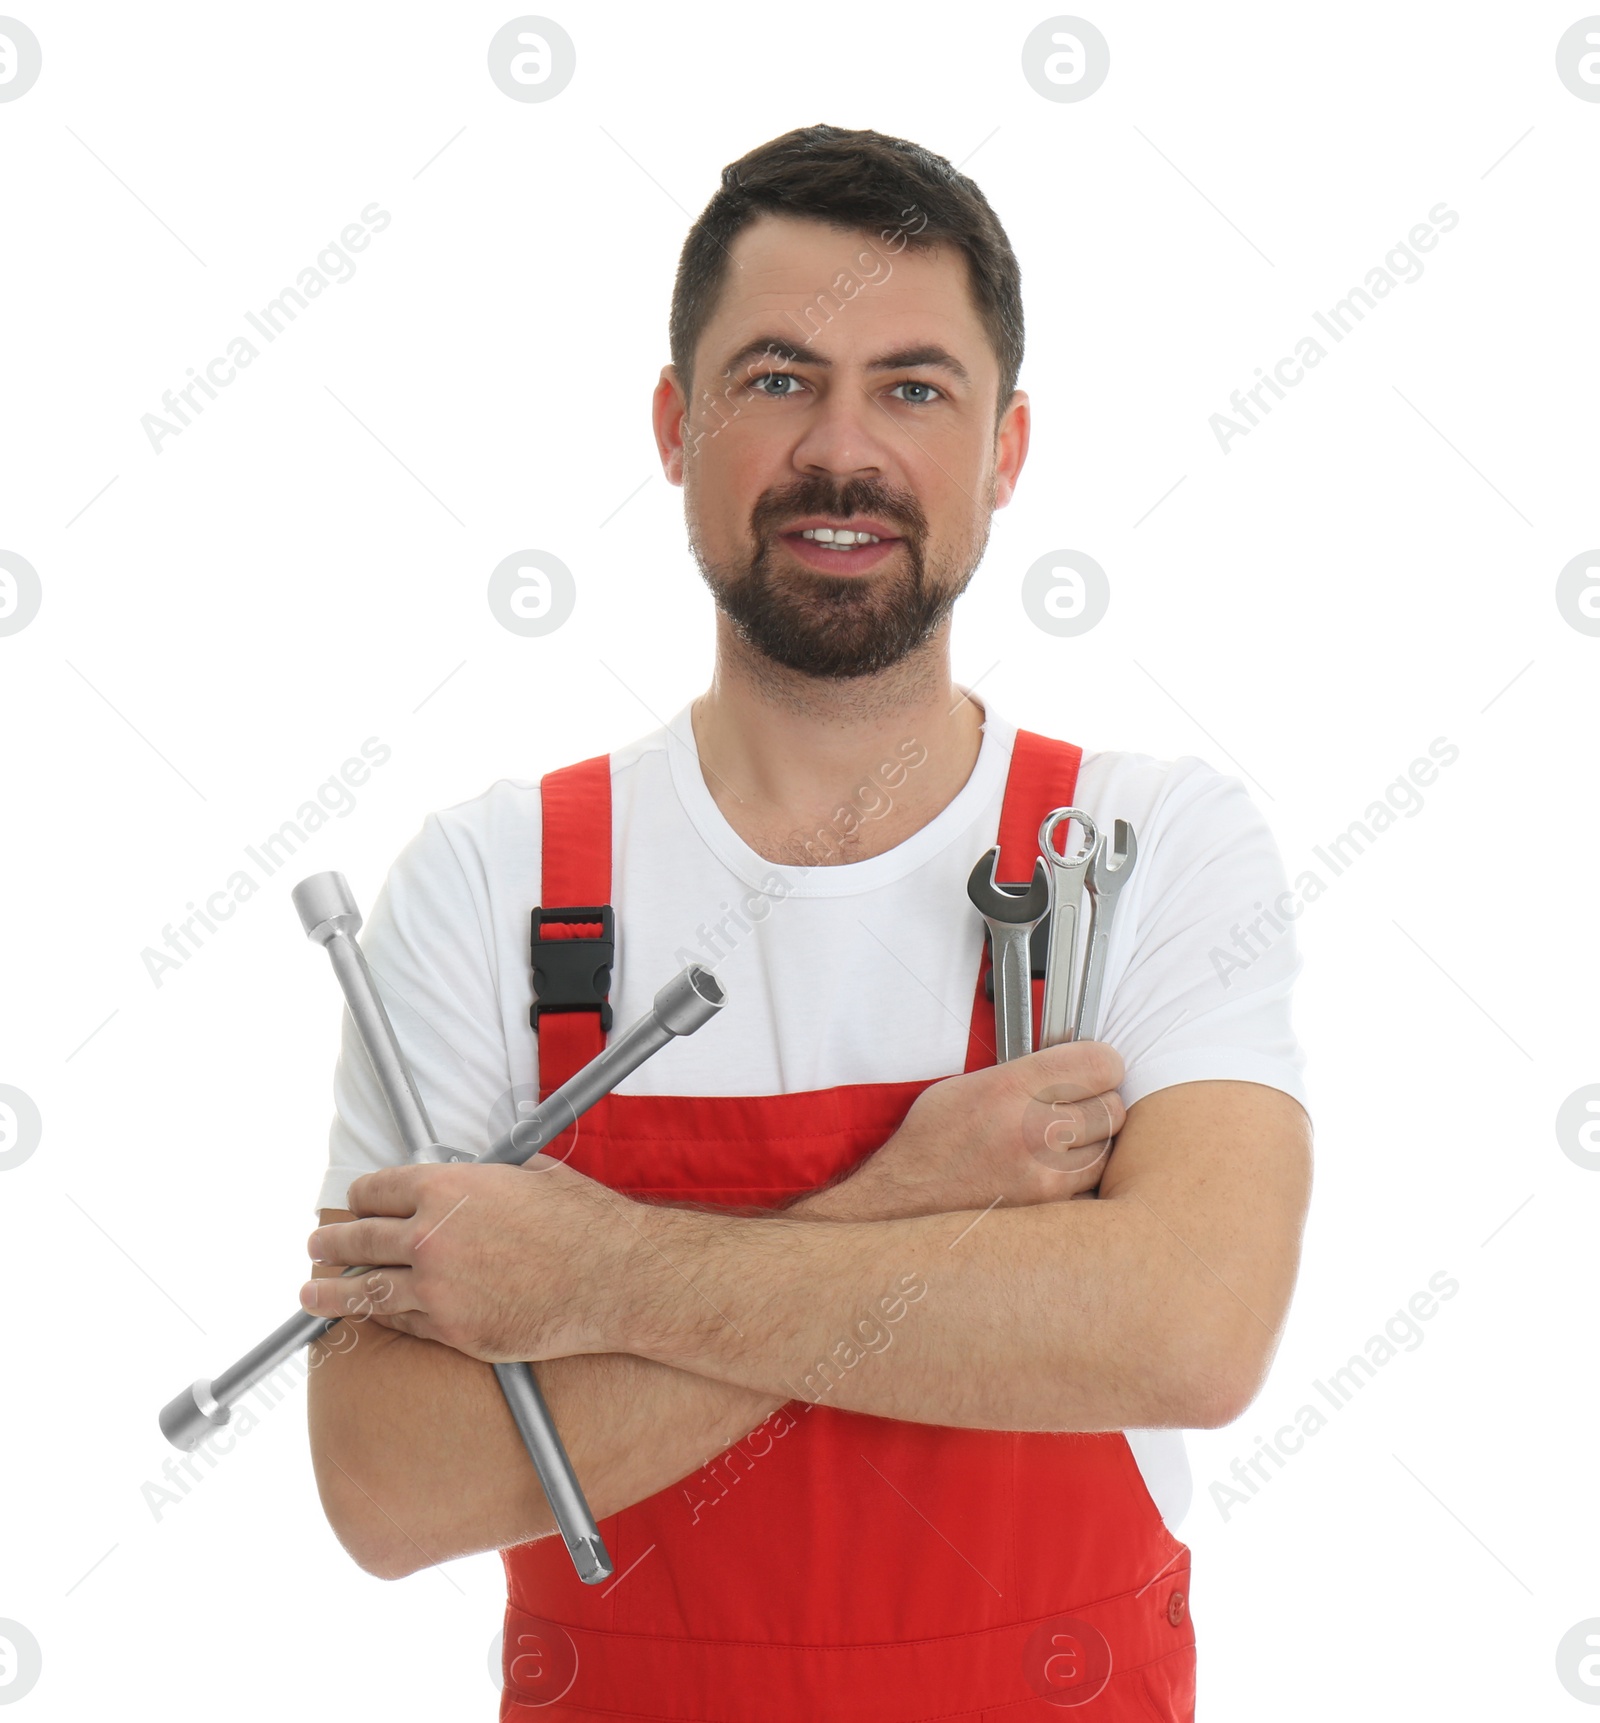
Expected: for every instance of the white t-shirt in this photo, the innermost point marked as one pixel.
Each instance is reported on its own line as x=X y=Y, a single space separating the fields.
x=860 y=972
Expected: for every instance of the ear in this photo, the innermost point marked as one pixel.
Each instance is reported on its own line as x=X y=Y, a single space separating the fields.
x=1011 y=448
x=669 y=413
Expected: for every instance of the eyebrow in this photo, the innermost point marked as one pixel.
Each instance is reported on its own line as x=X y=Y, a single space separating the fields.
x=920 y=355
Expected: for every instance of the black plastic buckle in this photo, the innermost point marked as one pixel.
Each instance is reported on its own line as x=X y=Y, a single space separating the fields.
x=573 y=973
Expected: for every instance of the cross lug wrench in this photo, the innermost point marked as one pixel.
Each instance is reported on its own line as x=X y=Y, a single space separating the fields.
x=330 y=918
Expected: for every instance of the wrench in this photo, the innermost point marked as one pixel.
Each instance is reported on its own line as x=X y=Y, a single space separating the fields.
x=1011 y=917
x=329 y=915
x=1109 y=868
x=1062 y=960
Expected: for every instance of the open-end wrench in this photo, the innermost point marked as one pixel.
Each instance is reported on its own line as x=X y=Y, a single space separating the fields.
x=330 y=917
x=1011 y=916
x=1109 y=868
x=1062 y=962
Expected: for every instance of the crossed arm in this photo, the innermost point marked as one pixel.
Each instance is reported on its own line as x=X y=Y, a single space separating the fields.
x=680 y=1331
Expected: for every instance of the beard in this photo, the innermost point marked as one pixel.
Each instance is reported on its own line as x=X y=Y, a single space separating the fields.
x=836 y=627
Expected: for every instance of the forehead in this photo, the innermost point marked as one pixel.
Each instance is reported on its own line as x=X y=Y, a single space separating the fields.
x=843 y=292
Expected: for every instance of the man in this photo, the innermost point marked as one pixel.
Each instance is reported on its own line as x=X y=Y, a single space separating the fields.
x=878 y=1423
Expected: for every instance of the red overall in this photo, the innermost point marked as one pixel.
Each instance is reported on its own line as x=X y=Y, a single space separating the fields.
x=833 y=1565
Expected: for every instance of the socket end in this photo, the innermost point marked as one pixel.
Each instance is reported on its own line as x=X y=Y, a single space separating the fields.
x=326 y=906
x=187 y=1420
x=689 y=1000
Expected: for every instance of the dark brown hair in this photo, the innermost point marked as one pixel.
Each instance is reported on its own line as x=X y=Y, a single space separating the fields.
x=855 y=181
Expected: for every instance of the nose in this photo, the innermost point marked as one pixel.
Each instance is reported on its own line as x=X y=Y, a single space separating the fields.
x=844 y=433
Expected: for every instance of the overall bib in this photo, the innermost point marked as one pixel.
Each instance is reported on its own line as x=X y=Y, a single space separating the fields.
x=834 y=1567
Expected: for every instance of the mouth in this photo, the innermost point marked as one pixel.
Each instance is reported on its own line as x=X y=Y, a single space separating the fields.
x=836 y=558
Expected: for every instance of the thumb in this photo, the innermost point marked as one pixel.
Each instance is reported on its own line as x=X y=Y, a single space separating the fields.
x=1072 y=1071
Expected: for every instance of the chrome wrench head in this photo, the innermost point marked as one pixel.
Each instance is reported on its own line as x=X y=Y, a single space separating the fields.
x=1113 y=861
x=1063 y=962
x=1109 y=869
x=997 y=902
x=1011 y=917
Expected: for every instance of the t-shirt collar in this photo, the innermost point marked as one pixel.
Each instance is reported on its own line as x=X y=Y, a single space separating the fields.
x=844 y=879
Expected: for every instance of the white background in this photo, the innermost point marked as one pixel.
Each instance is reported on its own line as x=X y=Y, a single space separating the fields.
x=1373 y=567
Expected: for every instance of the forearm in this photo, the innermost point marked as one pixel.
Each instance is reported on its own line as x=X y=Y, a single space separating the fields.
x=418 y=1460
x=1062 y=1316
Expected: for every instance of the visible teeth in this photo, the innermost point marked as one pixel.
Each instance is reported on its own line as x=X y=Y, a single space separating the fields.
x=843 y=535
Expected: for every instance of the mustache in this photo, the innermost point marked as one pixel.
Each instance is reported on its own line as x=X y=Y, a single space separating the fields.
x=896 y=510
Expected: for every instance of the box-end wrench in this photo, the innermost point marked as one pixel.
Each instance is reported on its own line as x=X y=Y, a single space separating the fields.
x=1011 y=916
x=1109 y=868
x=1063 y=959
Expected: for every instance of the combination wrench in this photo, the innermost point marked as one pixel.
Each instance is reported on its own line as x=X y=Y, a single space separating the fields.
x=1058 y=1021
x=329 y=915
x=1011 y=916
x=1109 y=868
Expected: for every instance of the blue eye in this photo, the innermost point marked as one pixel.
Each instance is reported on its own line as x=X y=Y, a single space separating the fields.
x=756 y=383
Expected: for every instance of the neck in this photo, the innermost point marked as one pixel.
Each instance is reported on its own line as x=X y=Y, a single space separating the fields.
x=810 y=771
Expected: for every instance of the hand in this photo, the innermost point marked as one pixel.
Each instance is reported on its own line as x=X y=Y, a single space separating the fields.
x=502 y=1263
x=1036 y=1129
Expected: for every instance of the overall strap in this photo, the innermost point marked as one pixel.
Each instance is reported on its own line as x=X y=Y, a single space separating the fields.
x=575 y=870
x=1043 y=775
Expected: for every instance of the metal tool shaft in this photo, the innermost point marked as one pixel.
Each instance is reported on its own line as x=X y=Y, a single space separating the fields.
x=1064 y=960
x=1013 y=991
x=1108 y=874
x=330 y=917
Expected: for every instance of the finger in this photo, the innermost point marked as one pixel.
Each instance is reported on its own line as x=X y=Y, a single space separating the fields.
x=417 y=1323
x=1074 y=1123
x=1070 y=1135
x=1074 y=1165
x=1051 y=1183
x=1072 y=1070
x=390 y=1190
x=374 y=1240
x=385 y=1292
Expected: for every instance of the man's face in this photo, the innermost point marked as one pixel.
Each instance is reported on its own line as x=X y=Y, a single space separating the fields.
x=796 y=418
